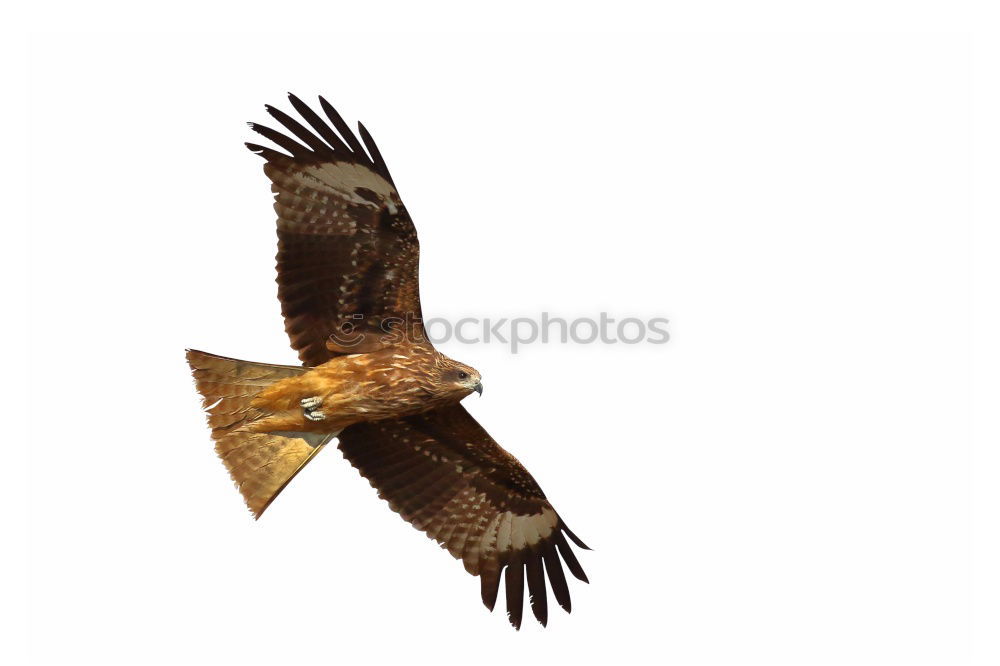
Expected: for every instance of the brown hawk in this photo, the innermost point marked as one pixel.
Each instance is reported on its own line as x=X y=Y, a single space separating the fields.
x=347 y=282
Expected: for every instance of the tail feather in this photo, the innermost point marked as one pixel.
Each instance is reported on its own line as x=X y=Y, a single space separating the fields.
x=261 y=464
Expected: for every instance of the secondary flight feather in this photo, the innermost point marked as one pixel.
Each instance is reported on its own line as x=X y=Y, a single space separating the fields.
x=347 y=282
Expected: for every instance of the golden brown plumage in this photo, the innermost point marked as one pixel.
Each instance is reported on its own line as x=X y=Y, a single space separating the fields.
x=394 y=381
x=347 y=282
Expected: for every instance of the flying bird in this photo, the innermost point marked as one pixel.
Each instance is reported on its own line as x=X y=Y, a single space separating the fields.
x=347 y=282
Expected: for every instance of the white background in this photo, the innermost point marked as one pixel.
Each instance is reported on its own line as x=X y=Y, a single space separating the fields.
x=799 y=476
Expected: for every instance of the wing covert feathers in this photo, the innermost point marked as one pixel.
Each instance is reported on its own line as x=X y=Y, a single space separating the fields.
x=446 y=476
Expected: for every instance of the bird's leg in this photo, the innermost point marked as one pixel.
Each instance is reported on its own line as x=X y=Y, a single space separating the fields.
x=310 y=408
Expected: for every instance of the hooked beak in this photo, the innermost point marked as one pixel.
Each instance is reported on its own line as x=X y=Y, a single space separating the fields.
x=478 y=388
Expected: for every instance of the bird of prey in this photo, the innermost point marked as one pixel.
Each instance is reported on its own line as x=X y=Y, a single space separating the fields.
x=347 y=282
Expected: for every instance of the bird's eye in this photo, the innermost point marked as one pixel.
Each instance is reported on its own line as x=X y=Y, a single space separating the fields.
x=463 y=375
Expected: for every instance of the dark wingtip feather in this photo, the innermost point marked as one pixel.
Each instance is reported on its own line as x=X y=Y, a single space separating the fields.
x=268 y=154
x=335 y=143
x=342 y=127
x=557 y=579
x=489 y=589
x=295 y=148
x=575 y=538
x=377 y=160
x=571 y=561
x=514 y=582
x=536 y=587
x=296 y=128
x=323 y=142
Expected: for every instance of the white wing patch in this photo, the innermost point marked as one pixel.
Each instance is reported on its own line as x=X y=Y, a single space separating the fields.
x=344 y=178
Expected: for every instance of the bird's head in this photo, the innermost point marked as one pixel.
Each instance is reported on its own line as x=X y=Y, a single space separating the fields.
x=458 y=379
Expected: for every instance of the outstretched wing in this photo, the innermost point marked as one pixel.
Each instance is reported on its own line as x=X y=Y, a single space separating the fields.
x=442 y=472
x=347 y=249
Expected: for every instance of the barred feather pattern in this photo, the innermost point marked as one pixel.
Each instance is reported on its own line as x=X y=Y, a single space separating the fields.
x=347 y=249
x=443 y=473
x=260 y=464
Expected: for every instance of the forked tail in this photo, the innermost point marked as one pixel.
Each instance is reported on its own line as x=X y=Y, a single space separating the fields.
x=261 y=464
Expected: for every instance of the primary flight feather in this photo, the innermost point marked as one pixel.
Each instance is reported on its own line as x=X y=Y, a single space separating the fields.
x=347 y=282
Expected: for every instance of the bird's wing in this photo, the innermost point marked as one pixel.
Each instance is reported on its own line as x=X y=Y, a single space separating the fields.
x=347 y=249
x=442 y=472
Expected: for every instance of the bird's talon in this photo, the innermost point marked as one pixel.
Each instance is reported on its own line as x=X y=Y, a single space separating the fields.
x=309 y=407
x=311 y=403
